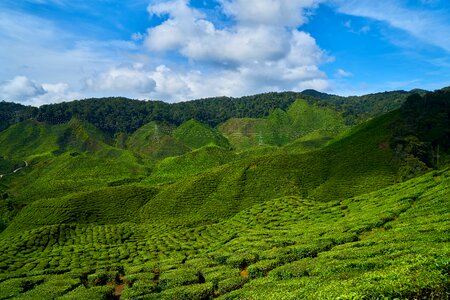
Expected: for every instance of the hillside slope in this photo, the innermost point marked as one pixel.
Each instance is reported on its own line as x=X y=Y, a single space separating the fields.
x=178 y=211
x=390 y=243
x=357 y=163
x=281 y=127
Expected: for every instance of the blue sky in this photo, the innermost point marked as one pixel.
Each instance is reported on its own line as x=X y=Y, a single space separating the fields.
x=175 y=50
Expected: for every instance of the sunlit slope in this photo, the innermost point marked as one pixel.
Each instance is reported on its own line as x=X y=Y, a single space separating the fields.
x=195 y=135
x=390 y=243
x=63 y=159
x=155 y=140
x=282 y=127
x=192 y=163
x=356 y=164
x=30 y=138
x=112 y=205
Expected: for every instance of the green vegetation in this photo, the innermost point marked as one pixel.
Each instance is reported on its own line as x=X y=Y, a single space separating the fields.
x=155 y=140
x=195 y=135
x=11 y=113
x=421 y=136
x=165 y=206
x=117 y=115
x=281 y=127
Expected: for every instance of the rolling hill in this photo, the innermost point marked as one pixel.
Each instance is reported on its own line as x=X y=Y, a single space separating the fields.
x=288 y=198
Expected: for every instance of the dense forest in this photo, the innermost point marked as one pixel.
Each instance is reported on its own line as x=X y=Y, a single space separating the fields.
x=422 y=133
x=11 y=113
x=116 y=114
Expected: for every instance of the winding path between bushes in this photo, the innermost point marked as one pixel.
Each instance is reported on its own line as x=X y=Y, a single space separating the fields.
x=16 y=170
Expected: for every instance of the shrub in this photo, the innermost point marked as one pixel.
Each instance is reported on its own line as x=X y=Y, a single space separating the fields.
x=242 y=260
x=231 y=284
x=262 y=268
x=176 y=278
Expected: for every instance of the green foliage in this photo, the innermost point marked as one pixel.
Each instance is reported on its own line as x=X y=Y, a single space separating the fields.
x=421 y=135
x=114 y=115
x=390 y=243
x=83 y=293
x=93 y=217
x=8 y=166
x=11 y=113
x=231 y=284
x=155 y=140
x=196 y=135
x=107 y=206
x=280 y=127
x=191 y=292
x=179 y=277
x=190 y=164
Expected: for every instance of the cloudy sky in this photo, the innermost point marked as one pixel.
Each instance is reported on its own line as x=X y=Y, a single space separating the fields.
x=175 y=50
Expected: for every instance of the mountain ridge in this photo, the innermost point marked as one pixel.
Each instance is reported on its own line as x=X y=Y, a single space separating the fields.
x=321 y=209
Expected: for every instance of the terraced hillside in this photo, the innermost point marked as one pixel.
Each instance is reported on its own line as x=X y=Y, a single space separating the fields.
x=187 y=211
x=390 y=243
x=281 y=127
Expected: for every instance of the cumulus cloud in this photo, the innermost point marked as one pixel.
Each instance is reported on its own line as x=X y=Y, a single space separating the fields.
x=270 y=12
x=20 y=88
x=123 y=79
x=189 y=32
x=262 y=50
x=187 y=56
x=24 y=90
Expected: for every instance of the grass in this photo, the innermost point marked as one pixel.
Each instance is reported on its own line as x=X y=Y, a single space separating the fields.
x=389 y=243
x=8 y=166
x=196 y=135
x=319 y=217
x=172 y=169
x=283 y=127
x=155 y=140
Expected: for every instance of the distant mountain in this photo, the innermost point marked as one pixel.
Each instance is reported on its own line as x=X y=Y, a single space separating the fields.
x=121 y=115
x=316 y=94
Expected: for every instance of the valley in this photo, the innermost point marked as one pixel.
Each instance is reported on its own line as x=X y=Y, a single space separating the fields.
x=273 y=196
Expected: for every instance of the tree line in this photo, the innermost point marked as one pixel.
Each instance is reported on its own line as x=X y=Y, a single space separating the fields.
x=421 y=134
x=117 y=114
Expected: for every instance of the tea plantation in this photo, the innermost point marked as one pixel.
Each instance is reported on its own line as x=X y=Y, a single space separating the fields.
x=294 y=205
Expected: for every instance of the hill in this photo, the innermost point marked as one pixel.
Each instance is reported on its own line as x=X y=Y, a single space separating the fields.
x=355 y=164
x=155 y=140
x=390 y=243
x=196 y=135
x=282 y=127
x=11 y=113
x=165 y=206
x=117 y=115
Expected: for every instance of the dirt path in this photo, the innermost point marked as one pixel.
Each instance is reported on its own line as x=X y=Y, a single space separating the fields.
x=16 y=170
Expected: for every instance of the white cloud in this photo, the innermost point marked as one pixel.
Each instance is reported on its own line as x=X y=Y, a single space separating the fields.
x=37 y=48
x=262 y=51
x=429 y=26
x=189 y=32
x=340 y=73
x=248 y=55
x=123 y=79
x=24 y=90
x=269 y=12
x=20 y=88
